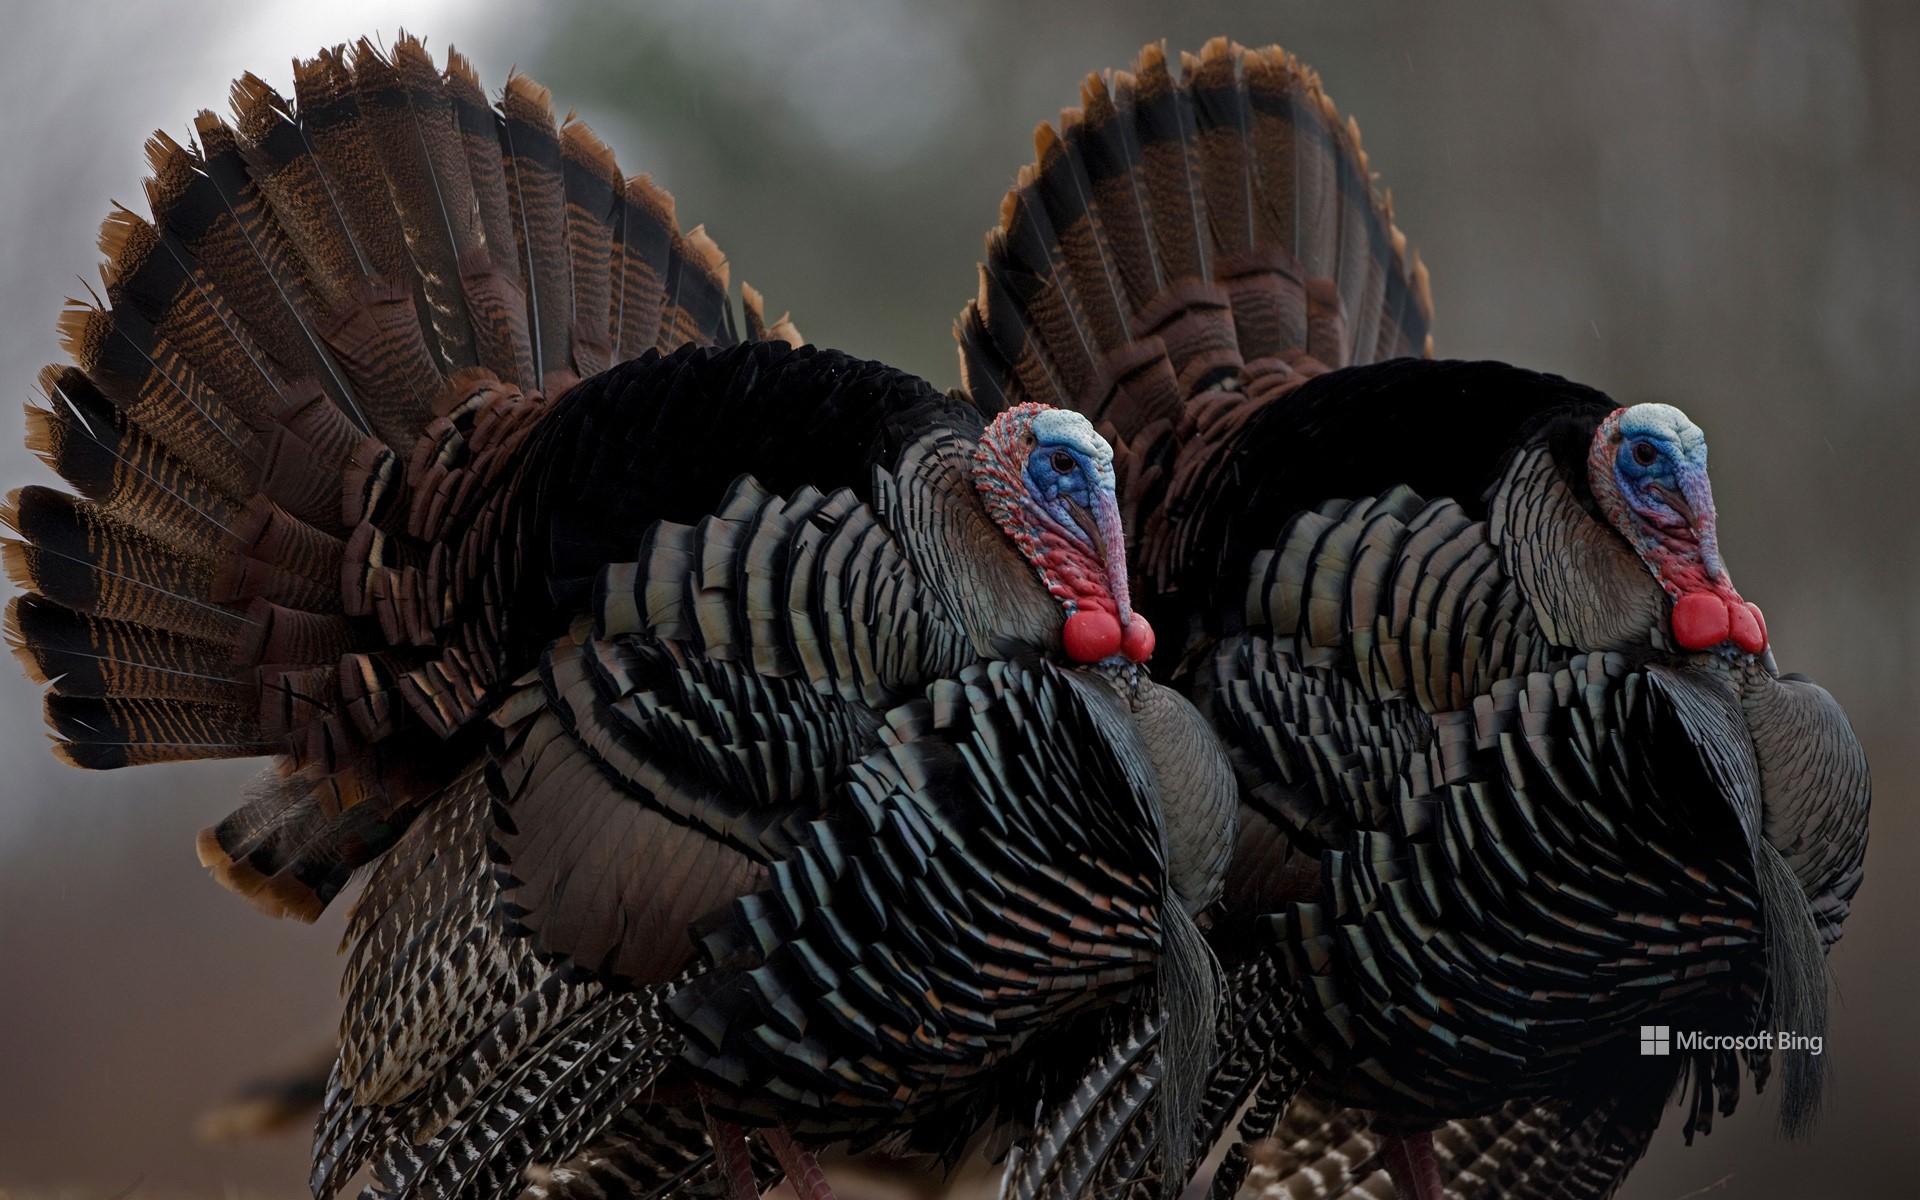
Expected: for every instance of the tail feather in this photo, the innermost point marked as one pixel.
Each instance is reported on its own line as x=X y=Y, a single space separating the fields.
x=144 y=379
x=150 y=273
x=496 y=288
x=341 y=141
x=411 y=126
x=294 y=843
x=644 y=231
x=593 y=187
x=81 y=557
x=1223 y=116
x=110 y=461
x=1065 y=188
x=1032 y=263
x=536 y=199
x=298 y=407
x=1109 y=146
x=696 y=299
x=94 y=657
x=114 y=732
x=1183 y=252
x=324 y=182
x=1170 y=167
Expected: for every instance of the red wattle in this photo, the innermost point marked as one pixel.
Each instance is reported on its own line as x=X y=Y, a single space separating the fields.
x=1092 y=634
x=1701 y=620
x=1749 y=627
x=1136 y=641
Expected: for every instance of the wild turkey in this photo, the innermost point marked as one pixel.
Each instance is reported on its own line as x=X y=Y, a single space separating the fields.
x=566 y=657
x=1518 y=772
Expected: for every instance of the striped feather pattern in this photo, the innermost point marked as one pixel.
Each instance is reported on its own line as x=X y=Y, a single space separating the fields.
x=1411 y=597
x=1575 y=1151
x=648 y=1152
x=813 y=587
x=1101 y=1139
x=443 y=1009
x=1100 y=1128
x=1491 y=855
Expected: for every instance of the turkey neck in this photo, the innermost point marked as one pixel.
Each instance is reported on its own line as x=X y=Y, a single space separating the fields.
x=1199 y=797
x=988 y=589
x=1588 y=588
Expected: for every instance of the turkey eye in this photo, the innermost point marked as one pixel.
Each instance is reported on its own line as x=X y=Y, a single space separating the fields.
x=1062 y=462
x=1645 y=454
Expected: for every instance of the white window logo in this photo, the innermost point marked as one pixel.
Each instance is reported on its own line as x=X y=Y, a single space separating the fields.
x=1654 y=1040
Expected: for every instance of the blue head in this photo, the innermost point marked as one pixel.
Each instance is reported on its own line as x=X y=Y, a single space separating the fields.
x=1648 y=469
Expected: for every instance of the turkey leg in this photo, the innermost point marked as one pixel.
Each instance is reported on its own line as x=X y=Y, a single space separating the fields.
x=1411 y=1165
x=736 y=1164
x=808 y=1181
x=730 y=1155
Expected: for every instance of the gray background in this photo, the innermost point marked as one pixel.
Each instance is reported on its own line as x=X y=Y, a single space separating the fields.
x=1714 y=205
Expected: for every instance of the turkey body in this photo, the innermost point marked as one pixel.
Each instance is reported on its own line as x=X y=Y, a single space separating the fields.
x=708 y=750
x=1504 y=800
x=1557 y=821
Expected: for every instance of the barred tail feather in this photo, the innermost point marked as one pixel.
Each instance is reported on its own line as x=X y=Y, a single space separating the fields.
x=297 y=405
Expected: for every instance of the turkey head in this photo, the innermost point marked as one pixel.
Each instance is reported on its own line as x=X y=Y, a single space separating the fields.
x=1046 y=479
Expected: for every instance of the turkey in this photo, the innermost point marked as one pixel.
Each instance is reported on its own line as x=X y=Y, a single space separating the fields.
x=728 y=733
x=1518 y=772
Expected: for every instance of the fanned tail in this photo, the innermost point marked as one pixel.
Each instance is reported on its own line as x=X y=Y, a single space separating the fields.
x=299 y=401
x=1180 y=253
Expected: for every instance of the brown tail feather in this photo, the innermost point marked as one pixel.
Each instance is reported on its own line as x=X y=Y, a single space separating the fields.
x=697 y=282
x=643 y=242
x=290 y=428
x=411 y=125
x=593 y=186
x=324 y=181
x=1180 y=253
x=204 y=197
x=496 y=288
x=109 y=460
x=537 y=207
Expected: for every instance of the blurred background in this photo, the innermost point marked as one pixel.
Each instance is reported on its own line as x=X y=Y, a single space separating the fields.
x=1715 y=205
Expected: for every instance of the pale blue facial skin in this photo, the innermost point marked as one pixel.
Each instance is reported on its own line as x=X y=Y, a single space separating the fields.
x=1661 y=469
x=1071 y=466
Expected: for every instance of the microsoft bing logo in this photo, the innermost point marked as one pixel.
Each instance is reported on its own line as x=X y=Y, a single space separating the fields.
x=1664 y=1039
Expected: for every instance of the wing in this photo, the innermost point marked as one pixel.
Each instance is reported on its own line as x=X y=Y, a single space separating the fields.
x=984 y=884
x=1532 y=841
